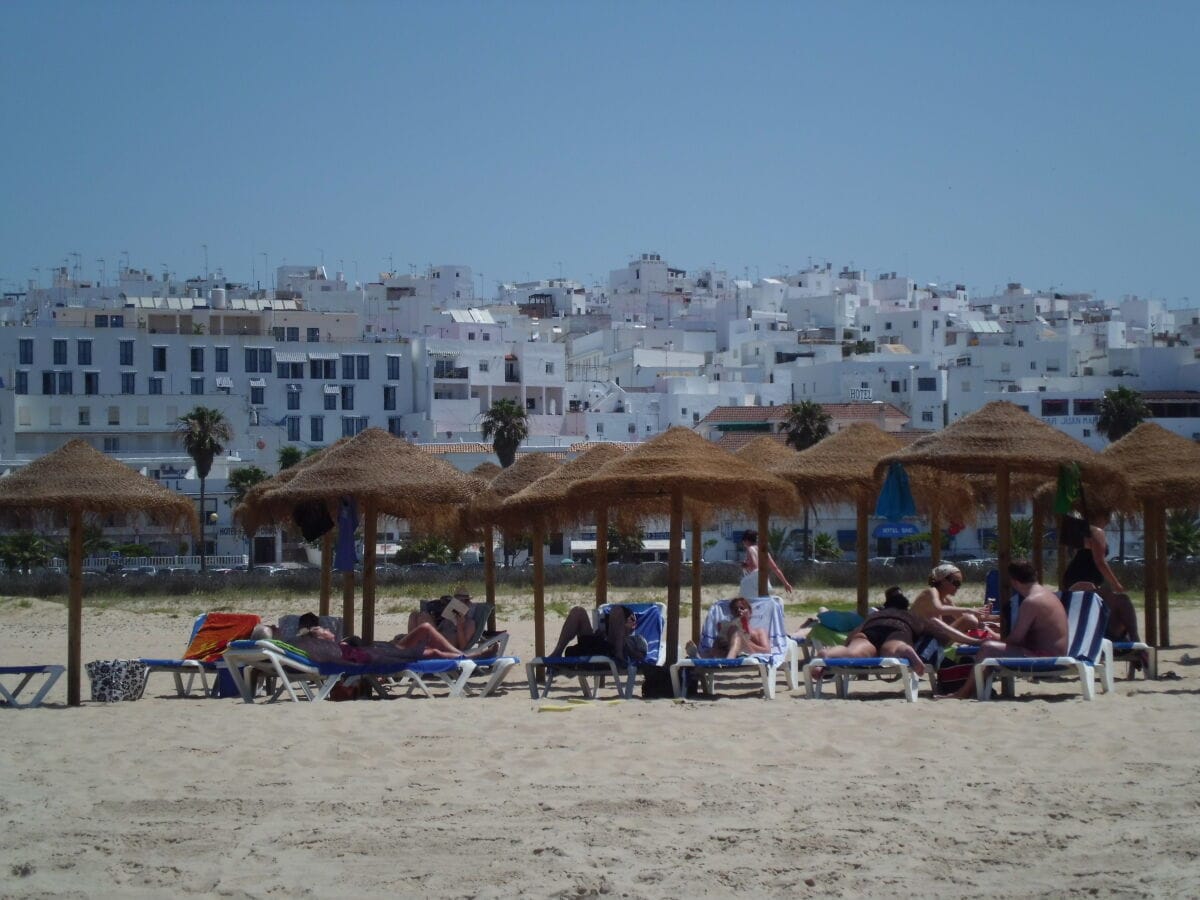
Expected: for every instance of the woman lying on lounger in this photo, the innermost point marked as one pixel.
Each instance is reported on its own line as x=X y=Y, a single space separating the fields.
x=617 y=640
x=892 y=631
x=423 y=642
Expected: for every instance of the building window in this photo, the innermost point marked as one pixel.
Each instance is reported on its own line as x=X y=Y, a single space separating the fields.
x=348 y=397
x=85 y=415
x=470 y=335
x=695 y=417
x=49 y=383
x=396 y=426
x=389 y=396
x=221 y=359
x=325 y=369
x=159 y=359
x=25 y=348
x=926 y=384
x=1087 y=432
x=126 y=353
x=599 y=428
x=114 y=415
x=197 y=358
x=112 y=445
x=83 y=352
x=65 y=383
x=293 y=334
x=1086 y=407
x=927 y=416
x=91 y=382
x=101 y=321
x=393 y=368
x=1055 y=407
x=487 y=336
x=293 y=397
x=293 y=428
x=316 y=429
x=331 y=401
x=22 y=386
x=156 y=386
x=364 y=367
x=314 y=335
x=116 y=321
x=352 y=425
x=1033 y=364
x=60 y=353
x=483 y=365
x=549 y=368
x=277 y=332
x=347 y=367
x=197 y=386
x=257 y=396
x=128 y=382
x=632 y=428
x=258 y=359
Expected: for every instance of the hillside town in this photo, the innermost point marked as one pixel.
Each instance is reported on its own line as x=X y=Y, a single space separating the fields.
x=308 y=357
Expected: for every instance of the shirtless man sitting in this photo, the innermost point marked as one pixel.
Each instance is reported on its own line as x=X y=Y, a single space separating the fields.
x=1041 y=627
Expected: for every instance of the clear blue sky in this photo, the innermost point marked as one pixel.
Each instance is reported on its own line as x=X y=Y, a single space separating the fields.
x=1053 y=143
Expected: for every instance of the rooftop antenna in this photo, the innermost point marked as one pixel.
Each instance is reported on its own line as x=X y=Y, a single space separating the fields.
x=205 y=246
x=103 y=270
x=124 y=268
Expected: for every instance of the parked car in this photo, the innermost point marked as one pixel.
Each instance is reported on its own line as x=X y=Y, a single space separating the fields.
x=137 y=571
x=175 y=570
x=268 y=570
x=882 y=561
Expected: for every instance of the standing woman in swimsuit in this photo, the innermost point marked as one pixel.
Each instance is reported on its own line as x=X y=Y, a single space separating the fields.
x=749 y=585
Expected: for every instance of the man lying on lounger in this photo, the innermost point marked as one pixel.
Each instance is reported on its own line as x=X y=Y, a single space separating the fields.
x=1041 y=628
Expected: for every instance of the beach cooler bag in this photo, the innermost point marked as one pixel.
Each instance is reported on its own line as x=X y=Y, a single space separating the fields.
x=117 y=679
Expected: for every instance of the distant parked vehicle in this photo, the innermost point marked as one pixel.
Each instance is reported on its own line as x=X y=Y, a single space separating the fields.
x=882 y=560
x=138 y=571
x=175 y=570
x=268 y=570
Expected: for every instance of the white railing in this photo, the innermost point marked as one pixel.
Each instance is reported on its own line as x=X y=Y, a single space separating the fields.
x=101 y=563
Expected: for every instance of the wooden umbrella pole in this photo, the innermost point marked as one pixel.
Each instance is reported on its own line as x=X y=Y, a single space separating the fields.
x=75 y=608
x=539 y=590
x=935 y=535
x=1150 y=573
x=764 y=547
x=489 y=572
x=1039 y=531
x=326 y=572
x=1003 y=545
x=1162 y=592
x=697 y=578
x=601 y=555
x=860 y=550
x=368 y=589
x=674 y=567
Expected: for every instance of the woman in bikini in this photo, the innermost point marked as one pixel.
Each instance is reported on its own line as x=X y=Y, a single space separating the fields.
x=749 y=585
x=936 y=601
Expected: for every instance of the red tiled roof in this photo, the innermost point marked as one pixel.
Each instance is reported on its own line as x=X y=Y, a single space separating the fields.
x=456 y=447
x=735 y=440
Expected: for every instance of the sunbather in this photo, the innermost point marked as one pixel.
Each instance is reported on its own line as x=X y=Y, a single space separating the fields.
x=934 y=601
x=736 y=637
x=1041 y=628
x=458 y=630
x=892 y=631
x=618 y=640
x=423 y=642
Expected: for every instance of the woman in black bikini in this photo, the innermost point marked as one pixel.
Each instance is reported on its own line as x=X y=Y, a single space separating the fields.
x=1089 y=570
x=892 y=631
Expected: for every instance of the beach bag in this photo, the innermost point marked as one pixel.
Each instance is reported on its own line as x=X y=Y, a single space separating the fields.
x=952 y=673
x=117 y=679
x=656 y=683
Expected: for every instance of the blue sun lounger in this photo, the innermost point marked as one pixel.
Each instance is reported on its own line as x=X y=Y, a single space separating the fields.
x=1089 y=654
x=27 y=674
x=296 y=672
x=765 y=613
x=189 y=667
x=592 y=670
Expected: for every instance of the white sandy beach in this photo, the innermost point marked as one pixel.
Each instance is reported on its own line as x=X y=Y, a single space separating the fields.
x=1043 y=796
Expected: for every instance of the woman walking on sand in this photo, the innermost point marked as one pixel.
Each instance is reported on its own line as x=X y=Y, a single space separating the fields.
x=749 y=584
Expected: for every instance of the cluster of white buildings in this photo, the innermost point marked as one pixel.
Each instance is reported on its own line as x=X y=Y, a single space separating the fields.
x=316 y=358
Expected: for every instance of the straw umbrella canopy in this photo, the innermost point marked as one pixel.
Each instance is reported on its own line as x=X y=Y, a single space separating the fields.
x=676 y=466
x=1001 y=439
x=77 y=480
x=485 y=512
x=385 y=476
x=844 y=467
x=486 y=471
x=1163 y=472
x=546 y=503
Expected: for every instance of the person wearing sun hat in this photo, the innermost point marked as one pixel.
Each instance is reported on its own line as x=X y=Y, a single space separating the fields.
x=936 y=601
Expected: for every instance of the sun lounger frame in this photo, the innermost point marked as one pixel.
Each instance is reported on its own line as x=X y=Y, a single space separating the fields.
x=28 y=673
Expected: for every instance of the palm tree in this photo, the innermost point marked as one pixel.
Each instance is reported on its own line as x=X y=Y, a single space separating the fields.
x=1183 y=534
x=205 y=432
x=826 y=546
x=289 y=455
x=1120 y=411
x=807 y=424
x=507 y=425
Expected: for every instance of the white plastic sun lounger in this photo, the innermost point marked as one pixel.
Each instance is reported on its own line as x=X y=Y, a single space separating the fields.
x=27 y=674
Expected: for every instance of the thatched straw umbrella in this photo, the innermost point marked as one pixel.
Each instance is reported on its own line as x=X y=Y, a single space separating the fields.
x=387 y=476
x=249 y=515
x=1163 y=472
x=77 y=480
x=844 y=467
x=546 y=503
x=485 y=511
x=1001 y=439
x=675 y=466
x=485 y=472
